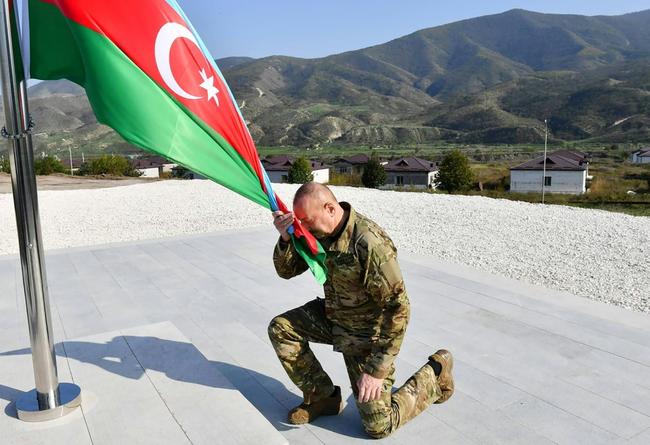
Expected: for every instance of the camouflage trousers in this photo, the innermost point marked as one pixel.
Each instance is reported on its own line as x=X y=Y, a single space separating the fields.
x=290 y=335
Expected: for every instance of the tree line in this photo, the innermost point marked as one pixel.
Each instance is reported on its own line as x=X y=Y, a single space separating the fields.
x=104 y=165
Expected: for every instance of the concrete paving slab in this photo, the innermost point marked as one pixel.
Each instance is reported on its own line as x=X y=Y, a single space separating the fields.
x=16 y=379
x=206 y=405
x=105 y=366
x=531 y=363
x=145 y=385
x=640 y=439
x=558 y=425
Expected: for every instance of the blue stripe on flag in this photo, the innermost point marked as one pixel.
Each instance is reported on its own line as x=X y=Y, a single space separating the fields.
x=205 y=51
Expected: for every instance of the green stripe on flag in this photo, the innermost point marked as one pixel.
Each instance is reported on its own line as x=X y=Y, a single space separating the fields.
x=53 y=48
x=126 y=99
x=316 y=263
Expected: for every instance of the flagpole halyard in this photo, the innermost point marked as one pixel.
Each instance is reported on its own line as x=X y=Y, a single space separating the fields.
x=48 y=400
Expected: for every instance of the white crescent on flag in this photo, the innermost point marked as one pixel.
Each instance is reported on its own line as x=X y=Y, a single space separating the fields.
x=167 y=35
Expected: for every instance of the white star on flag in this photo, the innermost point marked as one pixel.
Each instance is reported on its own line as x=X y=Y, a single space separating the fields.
x=208 y=86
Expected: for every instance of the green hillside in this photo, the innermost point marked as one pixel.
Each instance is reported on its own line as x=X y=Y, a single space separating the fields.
x=491 y=79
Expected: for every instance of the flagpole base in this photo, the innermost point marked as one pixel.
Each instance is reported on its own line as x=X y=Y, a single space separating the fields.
x=28 y=410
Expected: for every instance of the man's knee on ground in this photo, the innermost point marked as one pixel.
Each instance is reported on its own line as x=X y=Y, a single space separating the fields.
x=377 y=431
x=376 y=424
x=278 y=327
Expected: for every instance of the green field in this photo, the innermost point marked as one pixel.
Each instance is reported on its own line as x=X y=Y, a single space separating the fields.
x=479 y=153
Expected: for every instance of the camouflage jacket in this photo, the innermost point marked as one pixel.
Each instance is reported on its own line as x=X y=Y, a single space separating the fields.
x=365 y=297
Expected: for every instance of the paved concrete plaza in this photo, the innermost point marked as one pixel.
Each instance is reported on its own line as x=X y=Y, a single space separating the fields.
x=168 y=341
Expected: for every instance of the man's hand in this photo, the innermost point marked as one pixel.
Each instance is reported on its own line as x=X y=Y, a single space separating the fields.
x=282 y=222
x=369 y=388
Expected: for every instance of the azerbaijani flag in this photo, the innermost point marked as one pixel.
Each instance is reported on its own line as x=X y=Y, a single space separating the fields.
x=148 y=75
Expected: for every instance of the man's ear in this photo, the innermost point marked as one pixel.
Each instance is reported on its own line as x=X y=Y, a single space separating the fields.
x=330 y=209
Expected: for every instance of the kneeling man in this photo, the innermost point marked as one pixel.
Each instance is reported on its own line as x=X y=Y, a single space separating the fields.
x=363 y=315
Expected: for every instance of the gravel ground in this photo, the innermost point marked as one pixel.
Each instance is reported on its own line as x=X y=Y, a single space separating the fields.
x=595 y=254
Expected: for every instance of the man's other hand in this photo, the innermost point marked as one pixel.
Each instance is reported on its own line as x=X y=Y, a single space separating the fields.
x=369 y=388
x=282 y=221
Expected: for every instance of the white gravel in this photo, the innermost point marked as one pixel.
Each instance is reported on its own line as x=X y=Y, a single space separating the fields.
x=590 y=253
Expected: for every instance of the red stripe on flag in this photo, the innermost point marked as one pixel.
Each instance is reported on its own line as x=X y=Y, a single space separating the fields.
x=133 y=27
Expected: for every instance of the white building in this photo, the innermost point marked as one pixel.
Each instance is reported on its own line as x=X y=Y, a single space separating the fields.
x=566 y=172
x=153 y=167
x=278 y=167
x=149 y=172
x=641 y=156
x=411 y=172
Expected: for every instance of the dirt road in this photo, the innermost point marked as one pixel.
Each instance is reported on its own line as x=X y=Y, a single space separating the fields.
x=65 y=182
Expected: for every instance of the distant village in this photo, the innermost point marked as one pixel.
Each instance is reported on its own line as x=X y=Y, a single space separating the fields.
x=563 y=171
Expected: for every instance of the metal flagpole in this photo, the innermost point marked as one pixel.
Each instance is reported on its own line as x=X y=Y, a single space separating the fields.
x=49 y=400
x=544 y=171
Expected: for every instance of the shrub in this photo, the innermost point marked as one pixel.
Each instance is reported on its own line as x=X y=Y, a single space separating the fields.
x=5 y=166
x=300 y=171
x=49 y=165
x=109 y=165
x=349 y=179
x=374 y=175
x=454 y=173
x=642 y=176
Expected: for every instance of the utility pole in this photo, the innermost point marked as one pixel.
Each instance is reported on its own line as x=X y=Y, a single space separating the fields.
x=545 y=145
x=70 y=153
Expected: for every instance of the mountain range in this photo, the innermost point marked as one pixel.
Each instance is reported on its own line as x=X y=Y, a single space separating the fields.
x=492 y=79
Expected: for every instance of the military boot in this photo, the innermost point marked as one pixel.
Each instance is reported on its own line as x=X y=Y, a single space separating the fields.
x=444 y=363
x=308 y=412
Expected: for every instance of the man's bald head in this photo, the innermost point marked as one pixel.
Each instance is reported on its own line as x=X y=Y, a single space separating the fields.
x=314 y=191
x=317 y=209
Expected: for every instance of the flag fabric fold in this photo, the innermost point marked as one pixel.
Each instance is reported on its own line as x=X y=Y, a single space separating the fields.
x=148 y=75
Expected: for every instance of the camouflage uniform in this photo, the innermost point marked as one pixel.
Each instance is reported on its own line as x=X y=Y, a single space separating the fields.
x=364 y=316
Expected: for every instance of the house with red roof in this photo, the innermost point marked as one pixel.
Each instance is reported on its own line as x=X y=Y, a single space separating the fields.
x=353 y=164
x=566 y=172
x=410 y=172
